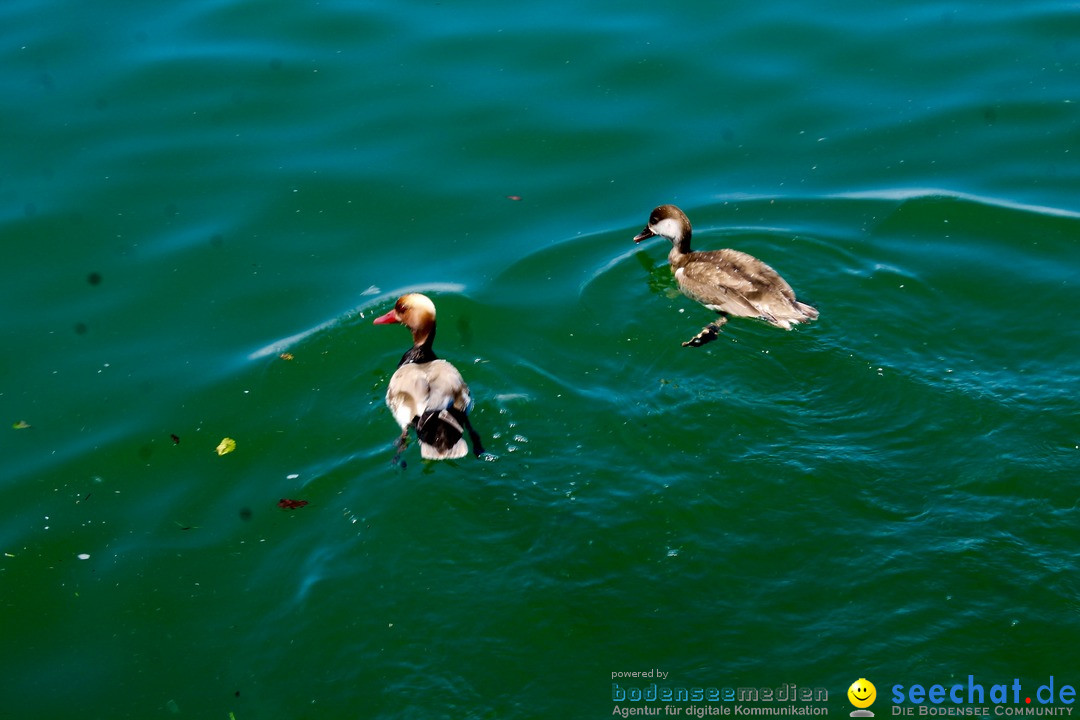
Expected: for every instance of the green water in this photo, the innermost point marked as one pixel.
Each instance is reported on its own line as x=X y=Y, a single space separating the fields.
x=190 y=190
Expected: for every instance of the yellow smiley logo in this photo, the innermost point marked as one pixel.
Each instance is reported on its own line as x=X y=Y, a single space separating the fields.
x=862 y=693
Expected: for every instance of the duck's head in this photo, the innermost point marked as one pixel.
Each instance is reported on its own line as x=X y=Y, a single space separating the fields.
x=414 y=311
x=670 y=222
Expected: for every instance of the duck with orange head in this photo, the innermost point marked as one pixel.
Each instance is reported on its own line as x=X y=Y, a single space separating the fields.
x=427 y=393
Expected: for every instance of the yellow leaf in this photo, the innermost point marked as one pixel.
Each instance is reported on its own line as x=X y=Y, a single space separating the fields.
x=286 y=356
x=21 y=425
x=227 y=445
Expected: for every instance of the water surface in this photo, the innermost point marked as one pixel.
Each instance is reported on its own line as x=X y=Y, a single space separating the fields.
x=204 y=205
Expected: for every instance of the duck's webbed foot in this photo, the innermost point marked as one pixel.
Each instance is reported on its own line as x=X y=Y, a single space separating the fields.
x=708 y=333
x=477 y=444
x=399 y=446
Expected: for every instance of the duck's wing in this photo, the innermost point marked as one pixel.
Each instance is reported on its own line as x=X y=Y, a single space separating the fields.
x=733 y=282
x=447 y=387
x=407 y=394
x=416 y=388
x=714 y=281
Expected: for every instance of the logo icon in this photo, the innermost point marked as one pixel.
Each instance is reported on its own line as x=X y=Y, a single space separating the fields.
x=862 y=694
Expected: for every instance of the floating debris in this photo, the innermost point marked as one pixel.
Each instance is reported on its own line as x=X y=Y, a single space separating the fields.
x=226 y=446
x=286 y=504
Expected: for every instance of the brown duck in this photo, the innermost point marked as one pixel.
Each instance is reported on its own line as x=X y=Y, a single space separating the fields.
x=727 y=281
x=425 y=392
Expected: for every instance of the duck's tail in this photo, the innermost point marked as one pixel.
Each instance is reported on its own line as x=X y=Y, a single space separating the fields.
x=799 y=312
x=809 y=313
x=441 y=435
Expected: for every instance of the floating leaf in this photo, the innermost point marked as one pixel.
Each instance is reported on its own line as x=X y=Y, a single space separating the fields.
x=21 y=425
x=286 y=356
x=227 y=445
x=286 y=504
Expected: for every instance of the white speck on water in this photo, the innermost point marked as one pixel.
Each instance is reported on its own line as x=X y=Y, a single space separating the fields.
x=83 y=556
